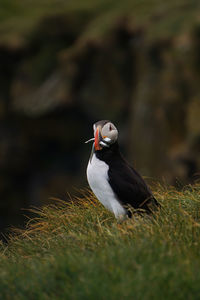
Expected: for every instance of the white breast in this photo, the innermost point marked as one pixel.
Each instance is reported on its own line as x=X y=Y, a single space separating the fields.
x=97 y=175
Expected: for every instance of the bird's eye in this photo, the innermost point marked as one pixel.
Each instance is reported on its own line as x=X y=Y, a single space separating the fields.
x=110 y=127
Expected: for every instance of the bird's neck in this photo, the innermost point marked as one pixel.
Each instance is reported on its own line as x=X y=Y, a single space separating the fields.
x=109 y=154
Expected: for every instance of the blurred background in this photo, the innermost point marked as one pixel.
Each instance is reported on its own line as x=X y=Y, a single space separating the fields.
x=67 y=64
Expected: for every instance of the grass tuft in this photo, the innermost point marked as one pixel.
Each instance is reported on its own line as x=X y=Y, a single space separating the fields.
x=78 y=250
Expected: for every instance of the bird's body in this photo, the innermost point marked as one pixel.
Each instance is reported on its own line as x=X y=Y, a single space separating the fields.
x=97 y=175
x=114 y=182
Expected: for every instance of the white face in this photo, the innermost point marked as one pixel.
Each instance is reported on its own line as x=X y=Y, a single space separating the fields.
x=108 y=132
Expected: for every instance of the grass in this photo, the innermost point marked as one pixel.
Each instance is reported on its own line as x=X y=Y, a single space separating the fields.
x=79 y=251
x=18 y=19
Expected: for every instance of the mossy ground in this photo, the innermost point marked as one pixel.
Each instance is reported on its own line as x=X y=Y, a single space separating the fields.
x=77 y=250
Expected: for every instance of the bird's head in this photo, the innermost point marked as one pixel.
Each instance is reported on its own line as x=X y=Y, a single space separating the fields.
x=105 y=134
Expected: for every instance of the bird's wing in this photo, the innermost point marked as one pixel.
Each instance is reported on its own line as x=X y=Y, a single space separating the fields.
x=129 y=186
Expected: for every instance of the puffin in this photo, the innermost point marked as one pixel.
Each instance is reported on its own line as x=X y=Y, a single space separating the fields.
x=116 y=184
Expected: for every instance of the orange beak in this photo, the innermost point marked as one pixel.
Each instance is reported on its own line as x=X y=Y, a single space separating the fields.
x=97 y=139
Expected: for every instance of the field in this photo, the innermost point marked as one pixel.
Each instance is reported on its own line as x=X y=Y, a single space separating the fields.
x=79 y=251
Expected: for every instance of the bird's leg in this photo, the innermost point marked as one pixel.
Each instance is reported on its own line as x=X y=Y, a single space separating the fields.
x=121 y=218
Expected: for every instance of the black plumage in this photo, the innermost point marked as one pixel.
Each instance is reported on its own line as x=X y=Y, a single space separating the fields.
x=129 y=187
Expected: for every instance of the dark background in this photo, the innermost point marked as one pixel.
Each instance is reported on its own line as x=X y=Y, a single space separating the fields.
x=67 y=64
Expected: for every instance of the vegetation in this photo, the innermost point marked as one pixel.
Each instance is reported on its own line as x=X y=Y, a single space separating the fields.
x=131 y=54
x=77 y=250
x=19 y=18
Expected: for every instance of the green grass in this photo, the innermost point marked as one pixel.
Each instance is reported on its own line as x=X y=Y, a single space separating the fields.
x=79 y=251
x=18 y=19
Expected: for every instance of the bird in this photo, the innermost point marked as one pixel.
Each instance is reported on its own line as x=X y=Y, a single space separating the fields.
x=116 y=184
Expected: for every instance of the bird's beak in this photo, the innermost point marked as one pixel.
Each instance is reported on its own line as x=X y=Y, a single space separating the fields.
x=97 y=139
